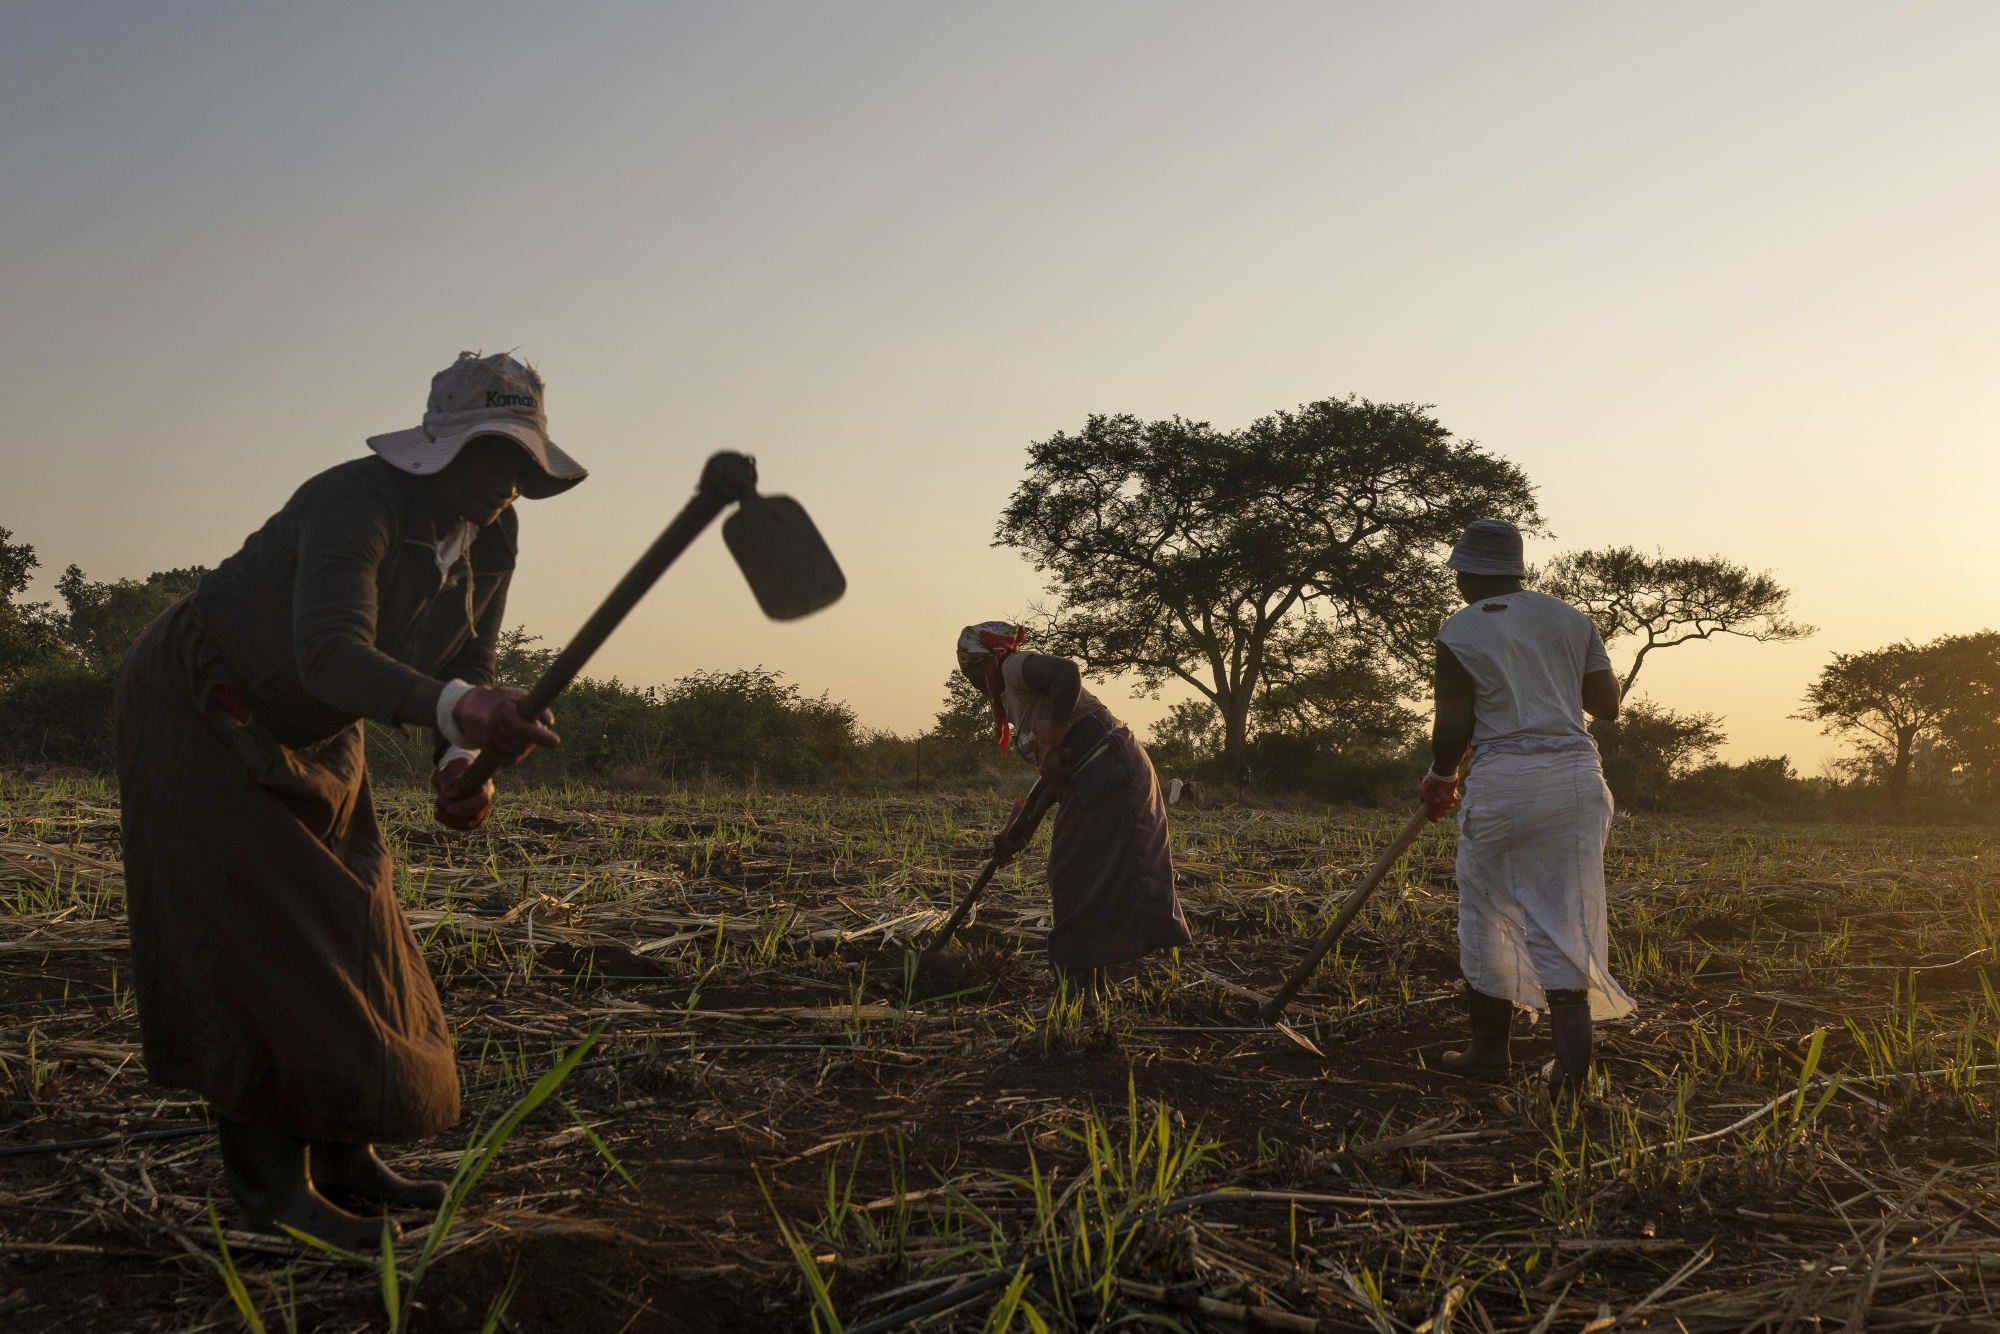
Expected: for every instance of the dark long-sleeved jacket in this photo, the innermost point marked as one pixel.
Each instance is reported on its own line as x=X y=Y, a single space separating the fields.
x=334 y=610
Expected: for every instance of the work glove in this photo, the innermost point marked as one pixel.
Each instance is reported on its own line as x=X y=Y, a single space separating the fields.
x=1049 y=736
x=1439 y=794
x=488 y=719
x=455 y=812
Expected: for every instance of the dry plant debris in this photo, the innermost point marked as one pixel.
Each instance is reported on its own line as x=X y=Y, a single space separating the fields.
x=1799 y=1127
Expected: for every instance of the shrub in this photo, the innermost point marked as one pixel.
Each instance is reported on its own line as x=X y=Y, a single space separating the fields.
x=30 y=632
x=57 y=713
x=1767 y=786
x=1360 y=775
x=1650 y=746
x=1187 y=743
x=59 y=668
x=744 y=725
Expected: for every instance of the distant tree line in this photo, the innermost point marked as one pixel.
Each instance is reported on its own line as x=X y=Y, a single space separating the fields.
x=1286 y=573
x=58 y=661
x=740 y=727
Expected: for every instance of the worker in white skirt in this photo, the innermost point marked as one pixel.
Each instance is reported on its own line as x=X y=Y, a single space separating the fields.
x=1516 y=672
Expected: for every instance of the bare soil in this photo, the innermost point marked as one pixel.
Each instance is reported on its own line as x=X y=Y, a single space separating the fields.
x=764 y=1043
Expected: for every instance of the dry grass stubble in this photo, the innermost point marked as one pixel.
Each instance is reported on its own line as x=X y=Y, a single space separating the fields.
x=1799 y=1124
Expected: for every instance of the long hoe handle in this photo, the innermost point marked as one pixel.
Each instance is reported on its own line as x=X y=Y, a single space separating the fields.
x=727 y=478
x=1274 y=1007
x=958 y=914
x=1039 y=799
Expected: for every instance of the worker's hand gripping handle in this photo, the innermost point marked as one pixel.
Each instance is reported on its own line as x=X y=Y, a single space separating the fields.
x=1006 y=847
x=1021 y=824
x=726 y=479
x=1027 y=817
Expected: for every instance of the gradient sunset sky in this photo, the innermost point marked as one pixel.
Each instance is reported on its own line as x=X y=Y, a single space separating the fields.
x=1721 y=278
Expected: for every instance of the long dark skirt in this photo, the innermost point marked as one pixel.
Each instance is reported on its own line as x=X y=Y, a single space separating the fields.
x=275 y=972
x=1111 y=876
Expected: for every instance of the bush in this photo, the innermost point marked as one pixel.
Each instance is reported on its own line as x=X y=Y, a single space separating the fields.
x=59 y=669
x=1648 y=747
x=1187 y=743
x=1379 y=764
x=1362 y=776
x=1766 y=786
x=57 y=713
x=741 y=727
x=104 y=620
x=31 y=634
x=744 y=725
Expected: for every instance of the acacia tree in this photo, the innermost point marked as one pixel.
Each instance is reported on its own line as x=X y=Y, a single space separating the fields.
x=1669 y=600
x=1176 y=551
x=1885 y=701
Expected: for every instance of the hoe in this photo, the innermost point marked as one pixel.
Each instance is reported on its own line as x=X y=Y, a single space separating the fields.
x=775 y=544
x=1030 y=809
x=1272 y=1009
x=1027 y=817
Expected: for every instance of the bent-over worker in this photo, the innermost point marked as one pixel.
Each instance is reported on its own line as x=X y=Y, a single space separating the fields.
x=275 y=972
x=1111 y=877
x=1516 y=672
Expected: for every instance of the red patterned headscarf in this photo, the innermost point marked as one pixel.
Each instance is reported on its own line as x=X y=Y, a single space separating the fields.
x=992 y=641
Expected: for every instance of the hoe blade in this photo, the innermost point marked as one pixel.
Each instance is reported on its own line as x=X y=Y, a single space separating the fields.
x=783 y=556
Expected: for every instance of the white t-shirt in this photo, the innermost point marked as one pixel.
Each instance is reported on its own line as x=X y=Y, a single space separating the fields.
x=1527 y=654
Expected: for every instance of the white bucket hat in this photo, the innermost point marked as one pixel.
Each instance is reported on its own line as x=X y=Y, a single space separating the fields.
x=1488 y=546
x=477 y=396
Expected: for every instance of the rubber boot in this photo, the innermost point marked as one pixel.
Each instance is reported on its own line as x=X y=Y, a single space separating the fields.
x=1492 y=1021
x=1569 y=1026
x=266 y=1171
x=350 y=1174
x=1084 y=983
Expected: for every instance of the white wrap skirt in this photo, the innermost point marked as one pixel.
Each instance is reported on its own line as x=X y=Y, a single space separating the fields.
x=1531 y=835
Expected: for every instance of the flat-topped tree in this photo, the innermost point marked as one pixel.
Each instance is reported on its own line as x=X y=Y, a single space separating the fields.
x=1180 y=552
x=1667 y=601
x=1886 y=700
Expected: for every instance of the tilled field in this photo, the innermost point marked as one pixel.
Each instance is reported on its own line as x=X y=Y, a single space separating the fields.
x=781 y=1123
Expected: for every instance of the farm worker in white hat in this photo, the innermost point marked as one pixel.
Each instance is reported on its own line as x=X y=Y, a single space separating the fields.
x=276 y=974
x=1111 y=876
x=1516 y=672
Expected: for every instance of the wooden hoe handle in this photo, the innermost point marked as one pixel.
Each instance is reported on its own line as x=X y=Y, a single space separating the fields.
x=1275 y=1007
x=726 y=479
x=1039 y=799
